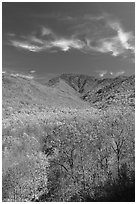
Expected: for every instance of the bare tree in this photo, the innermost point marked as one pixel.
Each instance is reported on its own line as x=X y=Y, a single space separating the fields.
x=118 y=133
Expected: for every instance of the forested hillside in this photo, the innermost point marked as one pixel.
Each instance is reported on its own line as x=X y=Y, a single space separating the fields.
x=72 y=139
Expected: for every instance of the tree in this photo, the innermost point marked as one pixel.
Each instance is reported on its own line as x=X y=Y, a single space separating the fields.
x=120 y=138
x=26 y=176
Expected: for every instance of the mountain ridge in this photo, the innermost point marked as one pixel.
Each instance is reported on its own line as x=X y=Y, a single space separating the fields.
x=18 y=93
x=68 y=90
x=98 y=91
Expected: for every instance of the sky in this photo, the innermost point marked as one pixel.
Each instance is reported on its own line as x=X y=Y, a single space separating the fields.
x=91 y=38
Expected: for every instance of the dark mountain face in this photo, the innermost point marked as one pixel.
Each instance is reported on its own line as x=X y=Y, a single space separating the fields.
x=101 y=92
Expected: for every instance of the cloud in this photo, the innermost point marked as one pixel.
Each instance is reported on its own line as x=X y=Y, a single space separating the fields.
x=22 y=76
x=111 y=39
x=111 y=45
x=66 y=44
x=61 y=44
x=11 y=34
x=101 y=73
x=32 y=71
x=125 y=38
x=103 y=35
x=116 y=74
x=46 y=31
x=34 y=39
x=78 y=19
x=94 y=18
x=89 y=34
x=25 y=45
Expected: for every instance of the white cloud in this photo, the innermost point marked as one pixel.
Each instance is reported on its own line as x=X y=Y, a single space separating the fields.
x=63 y=44
x=109 y=45
x=34 y=39
x=32 y=71
x=22 y=76
x=25 y=45
x=101 y=73
x=93 y=18
x=66 y=44
x=86 y=17
x=116 y=45
x=88 y=40
x=116 y=74
x=46 y=31
x=107 y=37
x=124 y=38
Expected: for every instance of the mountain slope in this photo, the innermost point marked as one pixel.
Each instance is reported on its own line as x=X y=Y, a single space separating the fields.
x=19 y=93
x=117 y=91
x=101 y=92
